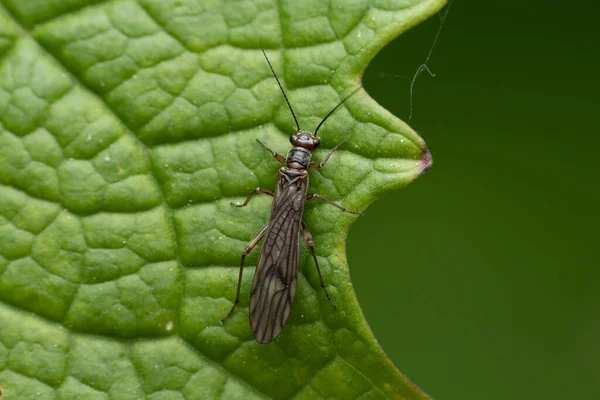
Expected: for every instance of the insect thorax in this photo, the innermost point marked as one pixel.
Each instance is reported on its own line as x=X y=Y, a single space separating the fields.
x=298 y=158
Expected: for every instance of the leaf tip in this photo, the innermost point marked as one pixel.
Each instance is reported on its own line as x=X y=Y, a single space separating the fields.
x=425 y=162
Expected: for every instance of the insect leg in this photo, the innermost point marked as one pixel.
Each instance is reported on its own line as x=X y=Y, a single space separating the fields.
x=322 y=163
x=309 y=240
x=319 y=197
x=254 y=192
x=275 y=154
x=246 y=251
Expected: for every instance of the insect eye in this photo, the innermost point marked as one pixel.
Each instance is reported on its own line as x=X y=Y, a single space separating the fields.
x=294 y=139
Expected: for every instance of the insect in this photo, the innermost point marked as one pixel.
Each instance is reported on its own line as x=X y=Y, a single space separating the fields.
x=274 y=284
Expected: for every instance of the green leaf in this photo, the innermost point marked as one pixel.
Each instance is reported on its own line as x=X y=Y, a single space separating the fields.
x=126 y=129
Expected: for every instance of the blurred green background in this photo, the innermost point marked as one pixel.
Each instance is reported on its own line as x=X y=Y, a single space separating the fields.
x=481 y=279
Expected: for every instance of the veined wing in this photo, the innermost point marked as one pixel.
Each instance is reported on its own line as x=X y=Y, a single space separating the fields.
x=274 y=285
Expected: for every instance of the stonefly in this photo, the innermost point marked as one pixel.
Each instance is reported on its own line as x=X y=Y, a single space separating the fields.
x=274 y=285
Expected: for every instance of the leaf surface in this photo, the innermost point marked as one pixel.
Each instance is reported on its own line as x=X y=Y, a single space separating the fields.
x=126 y=129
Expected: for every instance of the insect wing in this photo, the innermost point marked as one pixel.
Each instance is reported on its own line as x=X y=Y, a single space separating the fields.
x=274 y=284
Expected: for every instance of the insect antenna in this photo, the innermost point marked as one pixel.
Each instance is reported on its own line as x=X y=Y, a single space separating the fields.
x=335 y=108
x=281 y=87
